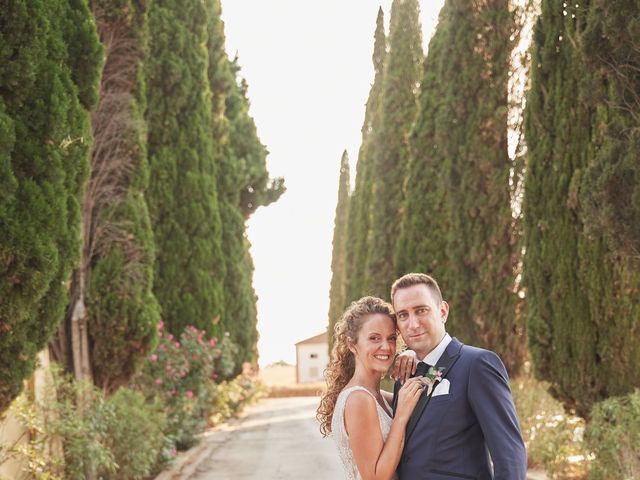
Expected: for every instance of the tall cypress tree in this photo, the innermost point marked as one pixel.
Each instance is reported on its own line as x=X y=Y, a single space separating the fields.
x=356 y=278
x=182 y=194
x=337 y=293
x=113 y=280
x=48 y=82
x=243 y=186
x=583 y=297
x=398 y=109
x=458 y=213
x=611 y=189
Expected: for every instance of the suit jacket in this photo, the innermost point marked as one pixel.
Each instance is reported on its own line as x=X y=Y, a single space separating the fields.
x=450 y=436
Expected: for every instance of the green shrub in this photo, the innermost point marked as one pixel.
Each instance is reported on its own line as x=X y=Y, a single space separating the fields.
x=182 y=373
x=134 y=435
x=114 y=438
x=613 y=435
x=233 y=396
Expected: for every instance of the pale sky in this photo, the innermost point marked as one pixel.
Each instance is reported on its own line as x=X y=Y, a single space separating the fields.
x=309 y=69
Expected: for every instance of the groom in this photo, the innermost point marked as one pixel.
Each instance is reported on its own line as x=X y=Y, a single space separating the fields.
x=470 y=412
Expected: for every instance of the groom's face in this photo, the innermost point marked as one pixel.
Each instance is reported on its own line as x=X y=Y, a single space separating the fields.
x=421 y=318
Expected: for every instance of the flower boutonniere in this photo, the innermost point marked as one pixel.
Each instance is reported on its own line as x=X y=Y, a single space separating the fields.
x=431 y=378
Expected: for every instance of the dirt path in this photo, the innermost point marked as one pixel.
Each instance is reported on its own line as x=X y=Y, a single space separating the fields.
x=277 y=439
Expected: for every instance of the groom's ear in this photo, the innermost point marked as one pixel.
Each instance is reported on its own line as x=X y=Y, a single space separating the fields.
x=444 y=310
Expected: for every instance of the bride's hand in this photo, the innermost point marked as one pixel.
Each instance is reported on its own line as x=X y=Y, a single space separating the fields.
x=405 y=366
x=408 y=397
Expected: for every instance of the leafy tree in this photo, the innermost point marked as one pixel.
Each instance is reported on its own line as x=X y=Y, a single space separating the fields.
x=458 y=222
x=356 y=278
x=243 y=186
x=610 y=46
x=50 y=61
x=337 y=293
x=111 y=287
x=398 y=106
x=583 y=297
x=182 y=193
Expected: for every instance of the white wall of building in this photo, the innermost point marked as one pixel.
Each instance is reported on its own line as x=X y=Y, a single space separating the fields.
x=312 y=358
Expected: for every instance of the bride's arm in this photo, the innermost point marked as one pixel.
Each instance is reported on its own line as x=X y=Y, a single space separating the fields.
x=376 y=459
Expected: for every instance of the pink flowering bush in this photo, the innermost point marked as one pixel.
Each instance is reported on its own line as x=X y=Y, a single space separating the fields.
x=182 y=373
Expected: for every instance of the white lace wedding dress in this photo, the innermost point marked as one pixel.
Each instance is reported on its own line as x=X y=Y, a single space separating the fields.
x=341 y=437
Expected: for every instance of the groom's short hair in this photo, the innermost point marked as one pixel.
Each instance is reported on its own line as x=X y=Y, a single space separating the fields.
x=411 y=279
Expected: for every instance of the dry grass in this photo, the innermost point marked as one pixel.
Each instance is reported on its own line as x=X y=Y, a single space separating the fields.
x=280 y=380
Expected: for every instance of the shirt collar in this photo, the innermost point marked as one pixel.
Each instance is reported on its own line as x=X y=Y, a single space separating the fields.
x=434 y=355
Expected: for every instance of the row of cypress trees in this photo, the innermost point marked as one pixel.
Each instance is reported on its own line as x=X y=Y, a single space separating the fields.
x=432 y=188
x=129 y=167
x=557 y=265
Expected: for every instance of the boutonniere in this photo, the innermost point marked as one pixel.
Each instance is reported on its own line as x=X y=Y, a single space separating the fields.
x=431 y=378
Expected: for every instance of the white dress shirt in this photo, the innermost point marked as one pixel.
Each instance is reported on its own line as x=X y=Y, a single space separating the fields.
x=434 y=355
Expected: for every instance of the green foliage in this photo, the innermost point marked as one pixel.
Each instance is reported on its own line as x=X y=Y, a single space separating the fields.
x=243 y=186
x=613 y=435
x=47 y=82
x=233 y=396
x=356 y=277
x=122 y=312
x=134 y=435
x=458 y=223
x=182 y=374
x=583 y=297
x=610 y=189
x=337 y=294
x=114 y=438
x=398 y=107
x=182 y=194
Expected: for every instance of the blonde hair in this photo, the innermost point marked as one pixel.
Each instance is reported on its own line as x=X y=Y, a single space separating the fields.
x=342 y=364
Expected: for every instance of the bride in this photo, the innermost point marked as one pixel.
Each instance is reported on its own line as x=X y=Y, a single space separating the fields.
x=354 y=408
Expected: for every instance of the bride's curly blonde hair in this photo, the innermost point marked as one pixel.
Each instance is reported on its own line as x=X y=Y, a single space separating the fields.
x=342 y=364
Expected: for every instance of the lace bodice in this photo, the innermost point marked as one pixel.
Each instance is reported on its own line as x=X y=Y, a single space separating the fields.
x=340 y=434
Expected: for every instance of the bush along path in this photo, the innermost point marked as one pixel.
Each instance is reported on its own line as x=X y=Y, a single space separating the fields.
x=183 y=388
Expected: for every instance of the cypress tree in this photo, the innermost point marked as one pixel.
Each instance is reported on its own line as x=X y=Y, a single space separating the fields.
x=243 y=186
x=48 y=82
x=611 y=186
x=182 y=193
x=337 y=293
x=356 y=278
x=458 y=222
x=398 y=109
x=422 y=243
x=118 y=254
x=583 y=297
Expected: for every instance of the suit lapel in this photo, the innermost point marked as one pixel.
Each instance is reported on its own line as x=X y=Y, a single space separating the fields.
x=445 y=363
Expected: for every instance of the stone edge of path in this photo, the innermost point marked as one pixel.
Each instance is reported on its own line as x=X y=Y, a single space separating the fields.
x=185 y=464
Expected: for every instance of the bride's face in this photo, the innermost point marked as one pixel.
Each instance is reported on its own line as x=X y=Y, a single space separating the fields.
x=376 y=345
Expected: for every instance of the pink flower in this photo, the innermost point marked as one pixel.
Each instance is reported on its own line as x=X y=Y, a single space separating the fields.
x=173 y=452
x=213 y=341
x=170 y=337
x=177 y=344
x=189 y=394
x=161 y=325
x=158 y=381
x=173 y=392
x=154 y=358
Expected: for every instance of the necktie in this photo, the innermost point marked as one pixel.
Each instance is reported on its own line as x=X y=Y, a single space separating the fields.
x=421 y=369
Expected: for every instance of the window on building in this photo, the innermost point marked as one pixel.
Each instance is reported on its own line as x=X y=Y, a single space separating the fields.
x=313 y=355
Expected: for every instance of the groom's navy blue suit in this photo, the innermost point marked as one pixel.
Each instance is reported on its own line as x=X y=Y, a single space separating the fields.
x=449 y=435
